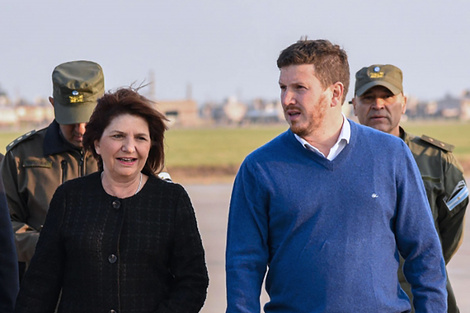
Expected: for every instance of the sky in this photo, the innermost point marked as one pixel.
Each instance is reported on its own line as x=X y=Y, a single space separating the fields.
x=229 y=48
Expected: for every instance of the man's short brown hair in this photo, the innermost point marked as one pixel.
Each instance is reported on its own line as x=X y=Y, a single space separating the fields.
x=329 y=60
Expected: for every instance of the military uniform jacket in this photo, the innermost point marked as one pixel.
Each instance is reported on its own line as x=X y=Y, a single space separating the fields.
x=445 y=188
x=34 y=166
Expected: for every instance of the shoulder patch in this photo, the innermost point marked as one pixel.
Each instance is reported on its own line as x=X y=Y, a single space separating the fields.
x=437 y=143
x=20 y=139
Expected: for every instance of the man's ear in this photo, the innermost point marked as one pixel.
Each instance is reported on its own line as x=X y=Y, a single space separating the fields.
x=337 y=94
x=353 y=102
x=403 y=107
x=51 y=100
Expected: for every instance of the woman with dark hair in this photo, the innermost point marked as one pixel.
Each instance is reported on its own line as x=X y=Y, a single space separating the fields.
x=121 y=239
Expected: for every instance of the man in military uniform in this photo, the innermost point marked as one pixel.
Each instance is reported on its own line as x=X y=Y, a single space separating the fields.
x=379 y=102
x=36 y=163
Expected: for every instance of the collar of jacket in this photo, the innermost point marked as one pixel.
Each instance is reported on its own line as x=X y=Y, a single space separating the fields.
x=54 y=141
x=404 y=136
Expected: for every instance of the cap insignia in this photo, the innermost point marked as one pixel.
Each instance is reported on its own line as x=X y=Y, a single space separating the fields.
x=76 y=99
x=376 y=73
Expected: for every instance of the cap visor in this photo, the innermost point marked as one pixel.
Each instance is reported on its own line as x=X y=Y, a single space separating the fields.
x=73 y=114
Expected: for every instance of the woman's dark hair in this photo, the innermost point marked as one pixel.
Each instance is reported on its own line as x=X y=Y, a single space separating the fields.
x=128 y=101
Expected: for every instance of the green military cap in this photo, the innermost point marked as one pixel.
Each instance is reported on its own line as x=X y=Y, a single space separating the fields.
x=77 y=85
x=387 y=75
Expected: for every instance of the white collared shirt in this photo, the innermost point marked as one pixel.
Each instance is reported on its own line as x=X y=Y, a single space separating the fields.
x=343 y=140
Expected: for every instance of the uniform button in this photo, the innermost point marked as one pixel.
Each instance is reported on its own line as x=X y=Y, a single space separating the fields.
x=112 y=258
x=116 y=204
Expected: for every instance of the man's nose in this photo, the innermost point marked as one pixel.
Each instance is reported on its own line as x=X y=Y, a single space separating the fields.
x=378 y=103
x=80 y=128
x=287 y=97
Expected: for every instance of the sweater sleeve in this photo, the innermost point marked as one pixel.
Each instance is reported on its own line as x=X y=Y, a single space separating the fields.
x=417 y=240
x=247 y=253
x=187 y=262
x=41 y=284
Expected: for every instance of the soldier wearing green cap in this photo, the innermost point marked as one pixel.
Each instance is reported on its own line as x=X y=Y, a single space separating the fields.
x=379 y=102
x=36 y=163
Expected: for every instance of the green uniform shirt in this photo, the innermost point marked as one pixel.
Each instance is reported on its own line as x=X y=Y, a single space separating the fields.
x=34 y=166
x=447 y=195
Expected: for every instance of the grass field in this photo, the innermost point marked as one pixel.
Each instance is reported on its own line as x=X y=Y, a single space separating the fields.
x=225 y=146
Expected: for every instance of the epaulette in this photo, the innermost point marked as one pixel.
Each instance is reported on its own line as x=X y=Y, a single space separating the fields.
x=437 y=143
x=20 y=139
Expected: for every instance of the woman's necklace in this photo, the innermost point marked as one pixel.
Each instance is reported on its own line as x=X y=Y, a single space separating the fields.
x=138 y=187
x=140 y=184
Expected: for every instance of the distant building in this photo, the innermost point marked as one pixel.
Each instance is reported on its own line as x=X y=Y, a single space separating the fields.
x=23 y=114
x=449 y=107
x=180 y=113
x=234 y=110
x=264 y=112
x=34 y=116
x=465 y=106
x=8 y=117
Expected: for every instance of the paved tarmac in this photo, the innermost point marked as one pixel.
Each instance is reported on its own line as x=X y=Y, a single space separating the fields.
x=211 y=204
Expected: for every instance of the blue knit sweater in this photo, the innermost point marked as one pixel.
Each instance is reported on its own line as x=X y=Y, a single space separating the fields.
x=330 y=231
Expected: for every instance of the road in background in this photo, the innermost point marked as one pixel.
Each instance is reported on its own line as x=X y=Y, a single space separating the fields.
x=211 y=204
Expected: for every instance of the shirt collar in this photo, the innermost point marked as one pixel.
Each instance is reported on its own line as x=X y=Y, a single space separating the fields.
x=343 y=139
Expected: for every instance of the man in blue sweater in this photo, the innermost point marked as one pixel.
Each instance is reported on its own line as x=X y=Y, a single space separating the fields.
x=327 y=207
